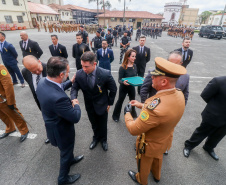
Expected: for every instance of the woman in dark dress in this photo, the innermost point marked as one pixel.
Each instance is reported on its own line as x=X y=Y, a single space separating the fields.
x=127 y=69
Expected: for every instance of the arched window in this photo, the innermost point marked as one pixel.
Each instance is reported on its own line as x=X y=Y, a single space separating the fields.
x=173 y=16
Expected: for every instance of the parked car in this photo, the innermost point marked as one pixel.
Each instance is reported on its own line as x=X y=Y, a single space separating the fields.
x=211 y=31
x=224 y=29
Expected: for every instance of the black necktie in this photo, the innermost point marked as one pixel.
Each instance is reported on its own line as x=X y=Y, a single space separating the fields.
x=184 y=55
x=37 y=79
x=104 y=53
x=24 y=45
x=141 y=50
x=55 y=48
x=89 y=80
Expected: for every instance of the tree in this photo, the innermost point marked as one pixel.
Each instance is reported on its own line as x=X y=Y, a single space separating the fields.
x=104 y=4
x=124 y=12
x=204 y=16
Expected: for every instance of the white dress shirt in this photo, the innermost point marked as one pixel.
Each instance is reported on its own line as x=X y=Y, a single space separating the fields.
x=34 y=77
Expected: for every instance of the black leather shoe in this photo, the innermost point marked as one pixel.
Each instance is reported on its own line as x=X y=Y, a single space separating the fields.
x=211 y=153
x=186 y=152
x=115 y=119
x=47 y=141
x=156 y=180
x=23 y=137
x=133 y=176
x=70 y=180
x=93 y=144
x=105 y=145
x=166 y=152
x=77 y=159
x=6 y=134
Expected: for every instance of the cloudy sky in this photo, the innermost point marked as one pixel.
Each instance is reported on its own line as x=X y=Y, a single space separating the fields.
x=153 y=6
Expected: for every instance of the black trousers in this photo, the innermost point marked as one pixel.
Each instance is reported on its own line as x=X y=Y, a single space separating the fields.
x=123 y=91
x=99 y=124
x=66 y=158
x=140 y=72
x=214 y=136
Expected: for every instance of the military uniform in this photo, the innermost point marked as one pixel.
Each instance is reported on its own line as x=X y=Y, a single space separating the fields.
x=157 y=120
x=97 y=43
x=84 y=36
x=7 y=115
x=124 y=41
x=109 y=39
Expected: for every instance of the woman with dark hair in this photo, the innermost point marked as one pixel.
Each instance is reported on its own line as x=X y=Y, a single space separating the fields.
x=127 y=69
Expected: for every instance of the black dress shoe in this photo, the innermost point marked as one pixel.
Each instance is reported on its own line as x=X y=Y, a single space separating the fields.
x=23 y=137
x=105 y=145
x=166 y=152
x=211 y=153
x=186 y=152
x=93 y=144
x=70 y=180
x=77 y=159
x=115 y=119
x=6 y=134
x=47 y=141
x=156 y=180
x=133 y=176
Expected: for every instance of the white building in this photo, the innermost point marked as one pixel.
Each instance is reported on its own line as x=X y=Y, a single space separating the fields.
x=47 y=2
x=172 y=13
x=215 y=19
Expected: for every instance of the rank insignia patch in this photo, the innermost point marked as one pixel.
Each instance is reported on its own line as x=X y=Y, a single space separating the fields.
x=144 y=116
x=3 y=72
x=154 y=104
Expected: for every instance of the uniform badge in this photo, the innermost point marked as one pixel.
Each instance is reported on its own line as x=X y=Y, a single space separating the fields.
x=144 y=115
x=99 y=87
x=29 y=49
x=6 y=50
x=60 y=51
x=146 y=54
x=154 y=104
x=108 y=55
x=189 y=57
x=3 y=72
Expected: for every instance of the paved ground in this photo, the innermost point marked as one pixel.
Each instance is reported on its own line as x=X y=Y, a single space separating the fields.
x=34 y=163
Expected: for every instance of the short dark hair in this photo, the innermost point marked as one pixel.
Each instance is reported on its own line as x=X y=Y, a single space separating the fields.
x=79 y=34
x=142 y=37
x=2 y=34
x=186 y=38
x=56 y=65
x=88 y=57
x=104 y=40
x=54 y=36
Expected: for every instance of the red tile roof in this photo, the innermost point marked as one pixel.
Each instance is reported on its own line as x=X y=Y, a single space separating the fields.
x=68 y=7
x=40 y=8
x=132 y=14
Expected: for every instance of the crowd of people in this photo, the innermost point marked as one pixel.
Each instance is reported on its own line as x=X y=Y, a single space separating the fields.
x=163 y=87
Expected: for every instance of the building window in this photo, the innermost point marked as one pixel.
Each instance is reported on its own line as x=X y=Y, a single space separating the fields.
x=113 y=19
x=40 y=18
x=16 y=2
x=8 y=19
x=121 y=20
x=51 y=18
x=131 y=20
x=62 y=13
x=3 y=2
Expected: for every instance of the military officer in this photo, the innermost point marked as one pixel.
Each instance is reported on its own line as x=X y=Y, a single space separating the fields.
x=8 y=109
x=97 y=40
x=85 y=35
x=110 y=39
x=124 y=45
x=157 y=120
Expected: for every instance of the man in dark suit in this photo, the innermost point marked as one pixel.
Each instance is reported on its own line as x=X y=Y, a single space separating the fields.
x=186 y=52
x=105 y=56
x=34 y=70
x=9 y=58
x=99 y=90
x=60 y=114
x=142 y=58
x=57 y=49
x=213 y=126
x=78 y=49
x=29 y=47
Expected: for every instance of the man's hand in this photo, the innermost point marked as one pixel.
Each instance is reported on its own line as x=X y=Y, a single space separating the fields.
x=75 y=102
x=73 y=78
x=136 y=104
x=11 y=107
x=108 y=108
x=125 y=82
x=128 y=108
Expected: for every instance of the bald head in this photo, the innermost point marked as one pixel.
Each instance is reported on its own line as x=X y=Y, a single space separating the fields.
x=175 y=57
x=24 y=35
x=33 y=64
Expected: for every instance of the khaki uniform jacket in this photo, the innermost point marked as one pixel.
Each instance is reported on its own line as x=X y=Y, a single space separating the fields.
x=158 y=123
x=6 y=86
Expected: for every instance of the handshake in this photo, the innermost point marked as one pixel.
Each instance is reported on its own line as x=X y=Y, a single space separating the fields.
x=75 y=102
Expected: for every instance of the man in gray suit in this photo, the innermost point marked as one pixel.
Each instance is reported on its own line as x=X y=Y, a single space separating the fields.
x=182 y=83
